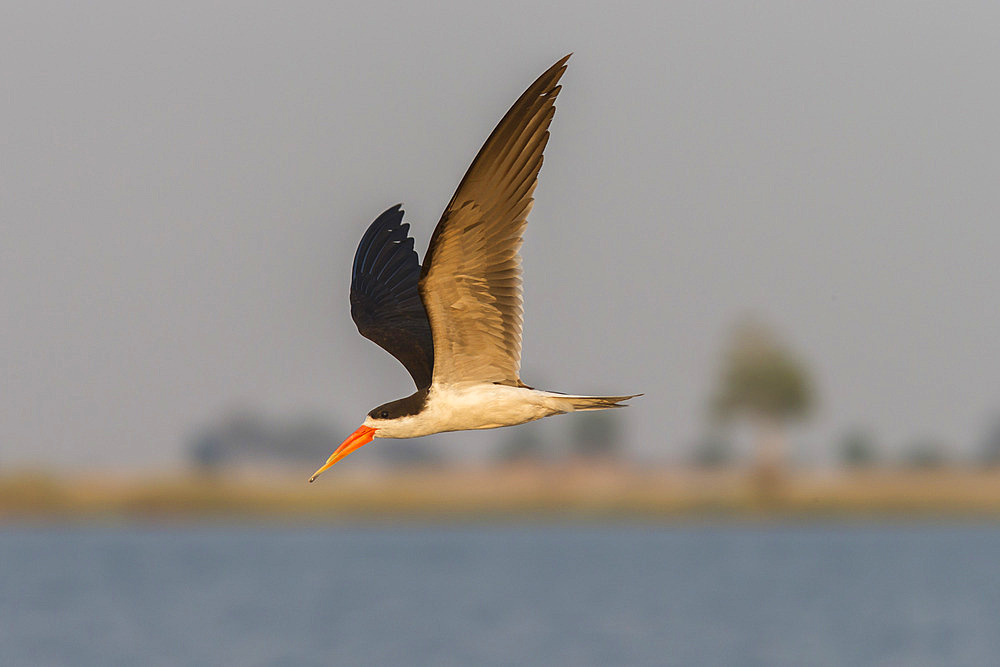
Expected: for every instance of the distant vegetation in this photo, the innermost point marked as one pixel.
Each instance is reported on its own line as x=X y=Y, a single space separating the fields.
x=858 y=450
x=762 y=388
x=714 y=451
x=587 y=436
x=246 y=437
x=989 y=450
x=763 y=383
x=761 y=378
x=925 y=453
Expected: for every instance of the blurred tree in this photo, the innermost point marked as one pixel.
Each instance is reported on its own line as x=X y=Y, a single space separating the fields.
x=713 y=451
x=523 y=445
x=857 y=449
x=989 y=452
x=207 y=452
x=247 y=436
x=924 y=453
x=306 y=438
x=596 y=435
x=762 y=381
x=245 y=430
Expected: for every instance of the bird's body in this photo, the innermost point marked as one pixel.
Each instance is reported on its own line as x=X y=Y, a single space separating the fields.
x=470 y=406
x=455 y=322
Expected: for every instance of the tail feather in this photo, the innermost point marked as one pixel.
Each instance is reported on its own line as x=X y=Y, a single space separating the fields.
x=584 y=403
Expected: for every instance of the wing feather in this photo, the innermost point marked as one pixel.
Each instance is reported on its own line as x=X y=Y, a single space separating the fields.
x=385 y=298
x=471 y=279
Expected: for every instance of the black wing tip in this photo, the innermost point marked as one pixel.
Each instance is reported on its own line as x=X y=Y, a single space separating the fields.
x=391 y=212
x=388 y=225
x=385 y=301
x=390 y=217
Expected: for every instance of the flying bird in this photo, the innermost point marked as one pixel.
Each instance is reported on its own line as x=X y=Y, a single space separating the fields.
x=455 y=322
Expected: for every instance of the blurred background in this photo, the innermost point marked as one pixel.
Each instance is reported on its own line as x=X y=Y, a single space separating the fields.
x=777 y=220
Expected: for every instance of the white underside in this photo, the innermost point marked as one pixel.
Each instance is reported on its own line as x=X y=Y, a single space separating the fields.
x=471 y=406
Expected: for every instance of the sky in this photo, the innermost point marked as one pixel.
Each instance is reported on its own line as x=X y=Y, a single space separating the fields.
x=183 y=185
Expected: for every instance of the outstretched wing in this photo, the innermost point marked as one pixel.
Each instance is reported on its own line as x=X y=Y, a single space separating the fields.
x=385 y=301
x=471 y=279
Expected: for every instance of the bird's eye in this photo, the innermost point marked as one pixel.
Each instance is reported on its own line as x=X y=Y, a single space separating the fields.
x=384 y=414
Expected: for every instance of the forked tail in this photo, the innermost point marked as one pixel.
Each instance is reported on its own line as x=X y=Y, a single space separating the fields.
x=583 y=403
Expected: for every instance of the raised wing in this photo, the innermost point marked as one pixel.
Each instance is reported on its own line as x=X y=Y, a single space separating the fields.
x=385 y=301
x=471 y=279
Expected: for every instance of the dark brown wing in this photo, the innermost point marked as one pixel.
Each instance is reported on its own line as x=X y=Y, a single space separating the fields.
x=385 y=301
x=471 y=279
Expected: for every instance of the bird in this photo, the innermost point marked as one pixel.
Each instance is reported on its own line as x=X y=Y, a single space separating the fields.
x=455 y=322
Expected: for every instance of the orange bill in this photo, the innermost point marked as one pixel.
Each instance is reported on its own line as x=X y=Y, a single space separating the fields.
x=356 y=440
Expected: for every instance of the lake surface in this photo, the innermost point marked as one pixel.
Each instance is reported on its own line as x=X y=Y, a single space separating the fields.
x=500 y=595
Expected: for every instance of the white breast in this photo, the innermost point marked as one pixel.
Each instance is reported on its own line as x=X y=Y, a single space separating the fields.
x=470 y=406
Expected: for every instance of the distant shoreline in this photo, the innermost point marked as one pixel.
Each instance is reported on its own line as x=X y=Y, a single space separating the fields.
x=578 y=493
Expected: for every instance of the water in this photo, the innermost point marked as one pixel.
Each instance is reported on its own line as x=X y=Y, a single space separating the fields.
x=539 y=595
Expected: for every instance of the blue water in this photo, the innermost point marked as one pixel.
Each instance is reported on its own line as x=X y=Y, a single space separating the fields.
x=500 y=595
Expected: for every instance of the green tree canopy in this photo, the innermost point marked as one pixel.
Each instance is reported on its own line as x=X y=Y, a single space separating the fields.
x=761 y=377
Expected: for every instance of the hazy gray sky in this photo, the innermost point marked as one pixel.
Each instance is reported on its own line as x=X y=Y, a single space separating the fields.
x=184 y=185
